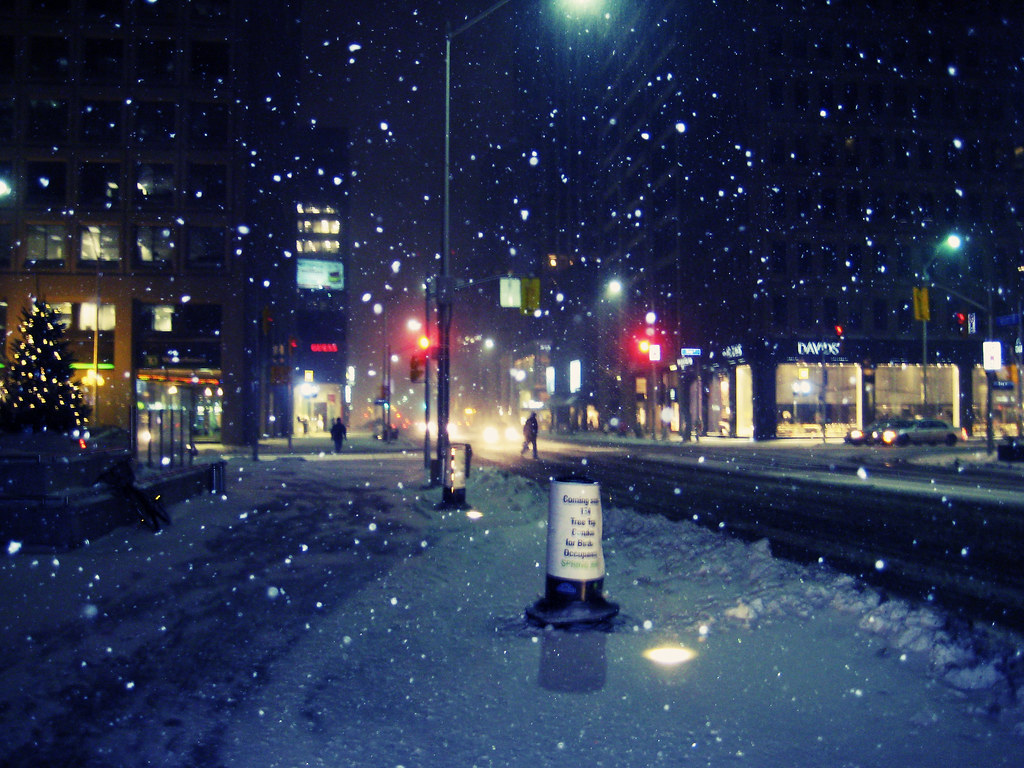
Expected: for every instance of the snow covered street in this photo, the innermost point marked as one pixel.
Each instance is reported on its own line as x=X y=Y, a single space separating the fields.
x=324 y=613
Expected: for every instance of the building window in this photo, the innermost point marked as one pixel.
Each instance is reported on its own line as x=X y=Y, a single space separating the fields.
x=830 y=312
x=7 y=57
x=905 y=318
x=46 y=183
x=103 y=60
x=157 y=62
x=87 y=316
x=805 y=258
x=154 y=122
x=780 y=311
x=154 y=184
x=778 y=257
x=828 y=203
x=880 y=315
x=208 y=124
x=207 y=185
x=156 y=12
x=99 y=185
x=7 y=119
x=100 y=243
x=878 y=154
x=901 y=154
x=110 y=10
x=854 y=205
x=49 y=58
x=101 y=122
x=210 y=62
x=6 y=245
x=47 y=121
x=154 y=246
x=209 y=10
x=205 y=247
x=45 y=245
x=854 y=258
x=804 y=313
x=829 y=155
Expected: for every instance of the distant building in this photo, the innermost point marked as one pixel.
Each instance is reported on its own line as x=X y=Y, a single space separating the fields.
x=317 y=316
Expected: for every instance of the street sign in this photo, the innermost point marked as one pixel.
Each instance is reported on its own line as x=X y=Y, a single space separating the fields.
x=690 y=352
x=922 y=310
x=1005 y=320
x=972 y=323
x=1002 y=384
x=992 y=355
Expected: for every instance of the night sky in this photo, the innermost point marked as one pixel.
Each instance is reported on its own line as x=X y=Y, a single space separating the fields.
x=377 y=69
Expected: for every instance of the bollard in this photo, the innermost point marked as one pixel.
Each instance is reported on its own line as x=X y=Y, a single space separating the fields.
x=456 y=470
x=575 y=566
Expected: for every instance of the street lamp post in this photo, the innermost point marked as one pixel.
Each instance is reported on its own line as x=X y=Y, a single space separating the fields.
x=952 y=243
x=443 y=285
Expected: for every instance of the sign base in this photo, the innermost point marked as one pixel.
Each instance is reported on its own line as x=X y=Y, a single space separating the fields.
x=575 y=613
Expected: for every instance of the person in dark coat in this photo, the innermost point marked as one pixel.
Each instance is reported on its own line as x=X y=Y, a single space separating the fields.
x=338 y=434
x=530 y=430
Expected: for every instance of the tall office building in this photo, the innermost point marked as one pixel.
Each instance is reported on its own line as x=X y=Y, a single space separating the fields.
x=146 y=190
x=775 y=179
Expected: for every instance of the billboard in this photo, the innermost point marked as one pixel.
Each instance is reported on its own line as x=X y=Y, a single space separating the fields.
x=320 y=274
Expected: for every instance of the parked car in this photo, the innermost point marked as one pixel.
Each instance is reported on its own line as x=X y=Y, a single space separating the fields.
x=870 y=435
x=931 y=431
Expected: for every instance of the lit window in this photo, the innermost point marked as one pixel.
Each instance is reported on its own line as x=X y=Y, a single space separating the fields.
x=87 y=317
x=101 y=243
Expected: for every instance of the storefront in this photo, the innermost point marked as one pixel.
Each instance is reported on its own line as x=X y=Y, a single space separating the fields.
x=799 y=388
x=179 y=396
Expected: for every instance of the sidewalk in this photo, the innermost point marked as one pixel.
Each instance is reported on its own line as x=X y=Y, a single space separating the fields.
x=324 y=612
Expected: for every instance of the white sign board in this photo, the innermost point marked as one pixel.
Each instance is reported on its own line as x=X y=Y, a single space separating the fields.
x=510 y=292
x=574 y=531
x=992 y=354
x=318 y=274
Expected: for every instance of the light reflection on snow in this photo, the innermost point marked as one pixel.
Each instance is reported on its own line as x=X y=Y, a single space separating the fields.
x=670 y=655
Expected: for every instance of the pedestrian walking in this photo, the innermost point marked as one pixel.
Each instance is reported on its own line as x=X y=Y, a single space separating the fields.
x=338 y=434
x=530 y=430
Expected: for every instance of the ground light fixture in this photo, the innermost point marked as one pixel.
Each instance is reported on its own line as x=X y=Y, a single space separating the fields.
x=670 y=655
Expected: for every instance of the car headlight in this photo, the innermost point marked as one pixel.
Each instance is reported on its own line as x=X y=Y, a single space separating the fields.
x=490 y=435
x=889 y=436
x=856 y=434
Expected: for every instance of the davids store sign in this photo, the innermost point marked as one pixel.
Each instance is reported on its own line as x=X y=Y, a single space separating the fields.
x=818 y=348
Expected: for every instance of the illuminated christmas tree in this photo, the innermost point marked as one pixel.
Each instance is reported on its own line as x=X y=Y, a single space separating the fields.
x=37 y=389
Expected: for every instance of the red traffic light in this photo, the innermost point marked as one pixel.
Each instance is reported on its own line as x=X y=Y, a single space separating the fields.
x=839 y=331
x=423 y=342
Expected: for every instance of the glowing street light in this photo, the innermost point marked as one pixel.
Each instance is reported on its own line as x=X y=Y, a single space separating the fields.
x=443 y=285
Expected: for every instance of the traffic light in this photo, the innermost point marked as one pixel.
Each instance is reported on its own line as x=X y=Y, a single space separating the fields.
x=960 y=319
x=417 y=363
x=839 y=331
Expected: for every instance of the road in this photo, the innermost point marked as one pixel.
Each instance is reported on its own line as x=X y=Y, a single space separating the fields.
x=949 y=531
